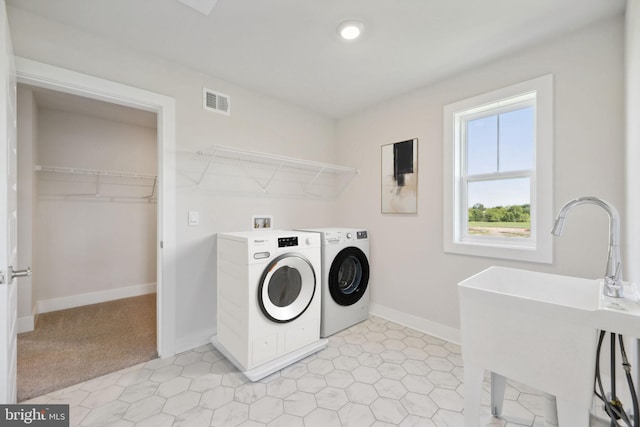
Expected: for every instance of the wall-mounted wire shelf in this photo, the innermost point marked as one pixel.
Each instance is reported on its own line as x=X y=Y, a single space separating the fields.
x=94 y=184
x=222 y=169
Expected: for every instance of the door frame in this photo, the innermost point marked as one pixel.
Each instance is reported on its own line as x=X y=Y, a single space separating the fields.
x=46 y=76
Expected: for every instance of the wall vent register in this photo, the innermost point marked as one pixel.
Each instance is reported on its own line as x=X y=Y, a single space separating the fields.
x=216 y=101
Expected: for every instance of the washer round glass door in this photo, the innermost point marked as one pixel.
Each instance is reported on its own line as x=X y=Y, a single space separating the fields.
x=348 y=276
x=286 y=288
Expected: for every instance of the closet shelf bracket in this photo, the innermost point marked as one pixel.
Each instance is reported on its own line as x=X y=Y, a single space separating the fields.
x=220 y=169
x=95 y=184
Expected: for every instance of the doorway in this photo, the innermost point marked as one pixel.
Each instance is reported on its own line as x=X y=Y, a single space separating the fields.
x=45 y=76
x=91 y=167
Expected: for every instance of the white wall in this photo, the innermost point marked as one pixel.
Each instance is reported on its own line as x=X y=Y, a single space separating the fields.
x=411 y=275
x=93 y=244
x=632 y=80
x=27 y=205
x=257 y=122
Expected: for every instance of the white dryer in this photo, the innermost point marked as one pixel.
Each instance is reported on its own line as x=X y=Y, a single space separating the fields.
x=345 y=278
x=268 y=299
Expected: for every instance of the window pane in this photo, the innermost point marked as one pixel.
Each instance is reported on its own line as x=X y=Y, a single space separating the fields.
x=516 y=139
x=499 y=208
x=482 y=145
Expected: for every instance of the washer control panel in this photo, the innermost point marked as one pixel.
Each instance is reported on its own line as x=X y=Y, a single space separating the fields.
x=285 y=242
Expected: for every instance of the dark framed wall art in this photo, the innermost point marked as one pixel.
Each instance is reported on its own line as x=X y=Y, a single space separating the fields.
x=399 y=169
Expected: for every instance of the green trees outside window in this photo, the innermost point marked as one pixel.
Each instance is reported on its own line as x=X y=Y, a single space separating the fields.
x=505 y=221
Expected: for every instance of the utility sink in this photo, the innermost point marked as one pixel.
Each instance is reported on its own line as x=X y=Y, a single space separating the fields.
x=539 y=329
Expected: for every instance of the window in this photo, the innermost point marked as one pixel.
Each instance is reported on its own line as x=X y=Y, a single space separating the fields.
x=498 y=173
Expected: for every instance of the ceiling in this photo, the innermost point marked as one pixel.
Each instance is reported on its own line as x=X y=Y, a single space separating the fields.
x=60 y=101
x=289 y=49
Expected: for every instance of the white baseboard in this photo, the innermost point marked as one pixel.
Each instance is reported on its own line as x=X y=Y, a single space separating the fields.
x=438 y=330
x=25 y=324
x=194 y=340
x=421 y=324
x=55 y=304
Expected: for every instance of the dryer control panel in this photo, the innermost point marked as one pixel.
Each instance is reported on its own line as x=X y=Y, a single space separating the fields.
x=332 y=238
x=343 y=236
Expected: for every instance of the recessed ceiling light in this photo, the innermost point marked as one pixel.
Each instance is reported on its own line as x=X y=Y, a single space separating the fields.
x=350 y=30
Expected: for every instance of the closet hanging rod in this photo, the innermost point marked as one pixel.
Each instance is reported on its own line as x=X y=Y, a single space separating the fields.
x=82 y=171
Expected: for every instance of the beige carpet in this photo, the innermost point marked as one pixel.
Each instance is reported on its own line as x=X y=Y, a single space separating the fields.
x=71 y=346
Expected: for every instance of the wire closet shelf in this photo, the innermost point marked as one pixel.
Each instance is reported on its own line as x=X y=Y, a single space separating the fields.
x=220 y=169
x=96 y=185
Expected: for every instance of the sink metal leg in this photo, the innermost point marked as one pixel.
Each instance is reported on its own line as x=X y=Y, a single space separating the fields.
x=571 y=414
x=498 y=386
x=473 y=377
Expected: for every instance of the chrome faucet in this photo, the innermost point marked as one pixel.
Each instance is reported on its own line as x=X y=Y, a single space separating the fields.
x=613 y=277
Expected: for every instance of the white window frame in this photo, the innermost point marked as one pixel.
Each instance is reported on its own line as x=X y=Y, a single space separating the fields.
x=537 y=248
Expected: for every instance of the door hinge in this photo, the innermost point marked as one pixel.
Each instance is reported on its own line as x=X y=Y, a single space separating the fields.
x=161 y=244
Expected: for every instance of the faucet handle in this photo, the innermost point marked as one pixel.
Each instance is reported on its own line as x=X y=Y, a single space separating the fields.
x=616 y=276
x=613 y=286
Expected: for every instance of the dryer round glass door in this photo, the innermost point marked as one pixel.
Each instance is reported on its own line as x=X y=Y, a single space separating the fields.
x=349 y=276
x=286 y=288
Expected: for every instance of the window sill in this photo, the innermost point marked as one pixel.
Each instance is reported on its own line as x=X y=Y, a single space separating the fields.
x=502 y=251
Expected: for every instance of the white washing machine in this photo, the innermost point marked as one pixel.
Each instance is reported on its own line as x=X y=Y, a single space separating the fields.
x=268 y=299
x=345 y=278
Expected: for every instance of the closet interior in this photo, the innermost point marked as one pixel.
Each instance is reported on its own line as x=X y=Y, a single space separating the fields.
x=87 y=189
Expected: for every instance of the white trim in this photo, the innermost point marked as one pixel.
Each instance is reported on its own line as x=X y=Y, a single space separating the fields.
x=420 y=324
x=194 y=340
x=268 y=368
x=25 y=324
x=63 y=303
x=47 y=76
x=542 y=188
x=632 y=155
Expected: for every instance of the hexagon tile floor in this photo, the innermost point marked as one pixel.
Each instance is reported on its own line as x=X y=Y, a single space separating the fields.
x=376 y=373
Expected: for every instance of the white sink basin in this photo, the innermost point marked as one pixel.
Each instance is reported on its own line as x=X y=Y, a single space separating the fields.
x=540 y=329
x=571 y=299
x=540 y=287
x=620 y=315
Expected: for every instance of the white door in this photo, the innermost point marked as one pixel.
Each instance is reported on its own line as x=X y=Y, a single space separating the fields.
x=8 y=217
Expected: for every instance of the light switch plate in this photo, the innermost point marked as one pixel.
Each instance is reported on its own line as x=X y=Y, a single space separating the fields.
x=194 y=218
